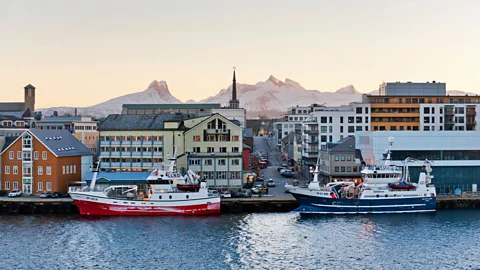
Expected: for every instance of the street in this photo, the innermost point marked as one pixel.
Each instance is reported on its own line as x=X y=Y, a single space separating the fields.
x=266 y=145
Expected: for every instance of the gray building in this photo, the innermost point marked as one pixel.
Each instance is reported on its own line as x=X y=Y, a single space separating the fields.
x=340 y=161
x=413 y=89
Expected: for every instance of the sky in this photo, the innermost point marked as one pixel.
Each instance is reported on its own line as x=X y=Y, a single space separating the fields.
x=80 y=53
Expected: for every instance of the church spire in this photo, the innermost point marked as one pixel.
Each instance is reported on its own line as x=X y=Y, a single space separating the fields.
x=234 y=103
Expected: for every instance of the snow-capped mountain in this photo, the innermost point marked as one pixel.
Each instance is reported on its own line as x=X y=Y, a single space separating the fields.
x=274 y=95
x=157 y=92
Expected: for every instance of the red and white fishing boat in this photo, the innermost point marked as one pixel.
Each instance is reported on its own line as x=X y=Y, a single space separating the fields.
x=169 y=193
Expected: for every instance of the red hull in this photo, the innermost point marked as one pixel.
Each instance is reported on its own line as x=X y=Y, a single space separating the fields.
x=103 y=209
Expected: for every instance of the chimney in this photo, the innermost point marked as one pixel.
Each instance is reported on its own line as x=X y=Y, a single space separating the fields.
x=75 y=111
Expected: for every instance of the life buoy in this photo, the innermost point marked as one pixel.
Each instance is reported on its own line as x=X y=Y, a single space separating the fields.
x=155 y=173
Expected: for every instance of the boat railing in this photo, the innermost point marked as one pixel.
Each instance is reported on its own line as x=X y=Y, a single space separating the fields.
x=380 y=167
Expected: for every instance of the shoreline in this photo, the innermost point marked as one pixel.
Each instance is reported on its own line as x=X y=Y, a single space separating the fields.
x=35 y=205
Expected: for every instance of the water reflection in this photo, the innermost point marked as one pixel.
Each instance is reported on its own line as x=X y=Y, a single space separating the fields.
x=445 y=240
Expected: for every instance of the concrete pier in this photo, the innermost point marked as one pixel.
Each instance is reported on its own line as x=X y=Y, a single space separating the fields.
x=35 y=205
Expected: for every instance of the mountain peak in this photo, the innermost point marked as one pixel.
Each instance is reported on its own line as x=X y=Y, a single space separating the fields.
x=292 y=83
x=349 y=89
x=275 y=81
x=160 y=87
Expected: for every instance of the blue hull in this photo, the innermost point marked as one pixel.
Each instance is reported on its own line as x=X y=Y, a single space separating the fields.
x=312 y=204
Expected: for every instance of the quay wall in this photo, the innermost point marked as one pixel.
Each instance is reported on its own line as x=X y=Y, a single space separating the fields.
x=229 y=205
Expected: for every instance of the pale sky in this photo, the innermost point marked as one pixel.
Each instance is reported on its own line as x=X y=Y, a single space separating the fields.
x=80 y=53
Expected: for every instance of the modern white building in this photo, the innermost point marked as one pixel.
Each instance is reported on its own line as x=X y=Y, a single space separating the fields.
x=455 y=155
x=290 y=122
x=449 y=116
x=331 y=124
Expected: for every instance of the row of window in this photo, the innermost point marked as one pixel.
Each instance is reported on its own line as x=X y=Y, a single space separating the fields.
x=219 y=175
x=27 y=171
x=131 y=138
x=131 y=149
x=394 y=128
x=26 y=155
x=39 y=185
x=212 y=150
x=216 y=138
x=69 y=169
x=85 y=127
x=133 y=160
x=437 y=155
x=344 y=157
x=8 y=123
x=347 y=169
x=209 y=162
x=422 y=100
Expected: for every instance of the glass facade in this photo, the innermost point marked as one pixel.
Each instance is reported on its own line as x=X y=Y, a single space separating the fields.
x=437 y=155
x=447 y=178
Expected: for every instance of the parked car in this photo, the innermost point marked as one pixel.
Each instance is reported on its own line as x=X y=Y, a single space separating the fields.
x=57 y=194
x=260 y=179
x=282 y=168
x=260 y=189
x=285 y=170
x=287 y=174
x=270 y=183
x=248 y=185
x=242 y=193
x=225 y=194
x=66 y=195
x=15 y=193
x=45 y=195
x=213 y=193
x=3 y=193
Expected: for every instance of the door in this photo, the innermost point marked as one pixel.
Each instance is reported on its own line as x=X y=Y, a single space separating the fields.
x=27 y=188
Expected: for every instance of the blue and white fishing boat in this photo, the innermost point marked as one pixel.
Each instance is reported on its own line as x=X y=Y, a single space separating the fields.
x=384 y=189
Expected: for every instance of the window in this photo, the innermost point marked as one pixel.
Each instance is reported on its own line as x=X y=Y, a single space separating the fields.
x=221 y=162
x=355 y=168
x=210 y=149
x=349 y=158
x=7 y=169
x=48 y=170
x=351 y=119
x=44 y=155
x=67 y=169
x=343 y=168
x=349 y=169
x=35 y=155
x=19 y=155
x=323 y=138
x=426 y=110
x=359 y=119
x=359 y=110
x=223 y=149
x=341 y=129
x=194 y=162
x=235 y=162
x=15 y=185
x=196 y=138
x=351 y=129
x=71 y=168
x=358 y=128
x=10 y=155
x=40 y=186
x=208 y=162
x=40 y=170
x=235 y=138
x=7 y=185
x=341 y=119
x=336 y=158
x=49 y=186
x=234 y=149
x=343 y=158
x=337 y=169
x=63 y=169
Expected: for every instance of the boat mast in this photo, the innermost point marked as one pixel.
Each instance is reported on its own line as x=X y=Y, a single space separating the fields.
x=390 y=142
x=95 y=174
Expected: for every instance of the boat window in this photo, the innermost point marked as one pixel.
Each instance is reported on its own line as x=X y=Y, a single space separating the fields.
x=170 y=196
x=386 y=195
x=159 y=197
x=187 y=196
x=377 y=196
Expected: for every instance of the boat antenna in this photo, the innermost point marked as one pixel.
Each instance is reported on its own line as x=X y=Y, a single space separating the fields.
x=95 y=174
x=316 y=171
x=390 y=142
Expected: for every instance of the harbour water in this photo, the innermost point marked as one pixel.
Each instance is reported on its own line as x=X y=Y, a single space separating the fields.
x=442 y=240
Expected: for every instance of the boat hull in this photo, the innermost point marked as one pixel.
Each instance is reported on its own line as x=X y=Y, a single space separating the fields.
x=97 y=206
x=323 y=205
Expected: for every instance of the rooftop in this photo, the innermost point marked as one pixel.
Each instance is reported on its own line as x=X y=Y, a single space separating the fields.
x=61 y=142
x=140 y=121
x=173 y=106
x=12 y=107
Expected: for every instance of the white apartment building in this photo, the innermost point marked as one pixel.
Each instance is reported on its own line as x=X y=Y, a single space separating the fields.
x=290 y=122
x=451 y=116
x=331 y=124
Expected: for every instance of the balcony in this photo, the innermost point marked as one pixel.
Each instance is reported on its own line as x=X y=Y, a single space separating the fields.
x=449 y=112
x=312 y=150
x=216 y=131
x=471 y=113
x=310 y=141
x=471 y=122
x=311 y=131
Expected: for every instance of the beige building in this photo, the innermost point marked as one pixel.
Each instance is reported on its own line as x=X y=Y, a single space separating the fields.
x=339 y=161
x=214 y=151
